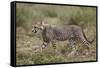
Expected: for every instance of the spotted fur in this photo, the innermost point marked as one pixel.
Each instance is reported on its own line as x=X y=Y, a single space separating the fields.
x=69 y=32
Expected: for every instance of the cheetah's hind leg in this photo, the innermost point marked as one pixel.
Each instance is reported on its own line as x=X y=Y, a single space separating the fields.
x=72 y=44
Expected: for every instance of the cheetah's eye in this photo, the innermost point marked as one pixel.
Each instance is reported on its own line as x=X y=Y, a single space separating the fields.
x=34 y=27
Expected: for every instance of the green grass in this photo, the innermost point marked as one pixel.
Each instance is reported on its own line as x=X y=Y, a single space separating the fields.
x=29 y=45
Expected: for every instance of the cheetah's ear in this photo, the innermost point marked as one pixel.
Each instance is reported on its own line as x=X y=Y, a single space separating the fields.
x=32 y=25
x=39 y=23
x=44 y=22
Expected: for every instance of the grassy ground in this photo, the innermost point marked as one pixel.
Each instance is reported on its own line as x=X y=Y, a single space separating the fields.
x=29 y=45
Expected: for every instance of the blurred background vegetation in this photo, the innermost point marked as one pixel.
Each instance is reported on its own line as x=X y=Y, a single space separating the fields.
x=28 y=50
